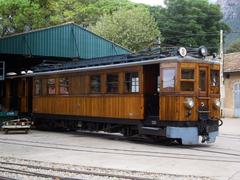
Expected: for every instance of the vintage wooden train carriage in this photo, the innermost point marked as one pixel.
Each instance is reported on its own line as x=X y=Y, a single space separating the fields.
x=167 y=96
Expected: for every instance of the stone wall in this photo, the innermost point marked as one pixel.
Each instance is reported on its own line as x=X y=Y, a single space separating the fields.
x=229 y=80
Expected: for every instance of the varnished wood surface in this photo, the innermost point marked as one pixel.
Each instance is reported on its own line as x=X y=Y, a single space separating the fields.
x=120 y=105
x=124 y=106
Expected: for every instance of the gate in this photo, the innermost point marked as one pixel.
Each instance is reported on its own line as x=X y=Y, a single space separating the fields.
x=236 y=99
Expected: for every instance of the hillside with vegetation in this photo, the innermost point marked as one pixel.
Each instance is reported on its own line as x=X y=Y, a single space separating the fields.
x=231 y=11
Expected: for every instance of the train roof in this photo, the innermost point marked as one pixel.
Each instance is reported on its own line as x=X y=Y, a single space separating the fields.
x=119 y=61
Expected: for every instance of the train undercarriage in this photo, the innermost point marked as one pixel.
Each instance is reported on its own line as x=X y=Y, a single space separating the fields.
x=187 y=133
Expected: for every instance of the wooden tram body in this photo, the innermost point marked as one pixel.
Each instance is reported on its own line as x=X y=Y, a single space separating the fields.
x=175 y=97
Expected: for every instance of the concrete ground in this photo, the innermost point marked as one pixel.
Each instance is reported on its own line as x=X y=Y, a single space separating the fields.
x=220 y=160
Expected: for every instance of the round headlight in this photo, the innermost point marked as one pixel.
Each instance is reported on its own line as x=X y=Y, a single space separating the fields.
x=188 y=103
x=203 y=51
x=217 y=104
x=182 y=51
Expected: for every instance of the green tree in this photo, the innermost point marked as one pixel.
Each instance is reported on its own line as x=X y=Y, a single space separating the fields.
x=134 y=29
x=16 y=15
x=190 y=23
x=234 y=47
x=83 y=12
x=19 y=15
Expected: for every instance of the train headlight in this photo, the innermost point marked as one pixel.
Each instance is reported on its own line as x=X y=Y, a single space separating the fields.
x=182 y=51
x=216 y=104
x=203 y=51
x=188 y=103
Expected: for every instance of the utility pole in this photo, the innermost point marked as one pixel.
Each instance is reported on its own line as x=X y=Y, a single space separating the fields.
x=159 y=42
x=222 y=88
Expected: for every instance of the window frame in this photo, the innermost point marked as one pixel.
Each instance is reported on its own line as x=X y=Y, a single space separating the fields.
x=205 y=83
x=99 y=84
x=188 y=80
x=51 y=85
x=136 y=84
x=167 y=89
x=112 y=82
x=64 y=86
x=39 y=88
x=203 y=92
x=218 y=80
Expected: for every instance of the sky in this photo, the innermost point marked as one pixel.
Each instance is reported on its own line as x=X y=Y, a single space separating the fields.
x=155 y=2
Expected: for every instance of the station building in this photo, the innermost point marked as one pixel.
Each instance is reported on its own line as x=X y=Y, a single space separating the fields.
x=232 y=85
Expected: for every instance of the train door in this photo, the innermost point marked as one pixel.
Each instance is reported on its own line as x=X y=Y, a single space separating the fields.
x=203 y=93
x=21 y=95
x=203 y=82
x=151 y=91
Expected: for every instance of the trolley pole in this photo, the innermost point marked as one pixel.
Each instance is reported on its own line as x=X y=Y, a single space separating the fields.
x=222 y=88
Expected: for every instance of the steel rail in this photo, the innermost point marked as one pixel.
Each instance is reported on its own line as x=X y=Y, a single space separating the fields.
x=78 y=172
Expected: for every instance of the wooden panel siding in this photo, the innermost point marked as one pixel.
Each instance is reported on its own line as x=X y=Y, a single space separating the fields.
x=115 y=106
x=23 y=105
x=82 y=102
x=172 y=108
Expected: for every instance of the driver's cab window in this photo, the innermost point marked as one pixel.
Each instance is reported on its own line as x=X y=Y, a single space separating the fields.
x=168 y=79
x=187 y=79
x=215 y=78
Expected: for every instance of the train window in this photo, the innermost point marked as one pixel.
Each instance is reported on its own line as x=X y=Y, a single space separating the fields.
x=51 y=86
x=38 y=87
x=64 y=86
x=168 y=79
x=131 y=82
x=112 y=83
x=214 y=78
x=95 y=84
x=202 y=80
x=187 y=80
x=187 y=74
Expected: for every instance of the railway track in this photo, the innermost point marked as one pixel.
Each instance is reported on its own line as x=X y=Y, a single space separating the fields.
x=213 y=154
x=26 y=169
x=52 y=173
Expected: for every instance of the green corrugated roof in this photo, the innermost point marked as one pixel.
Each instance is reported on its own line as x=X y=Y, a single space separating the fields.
x=67 y=40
